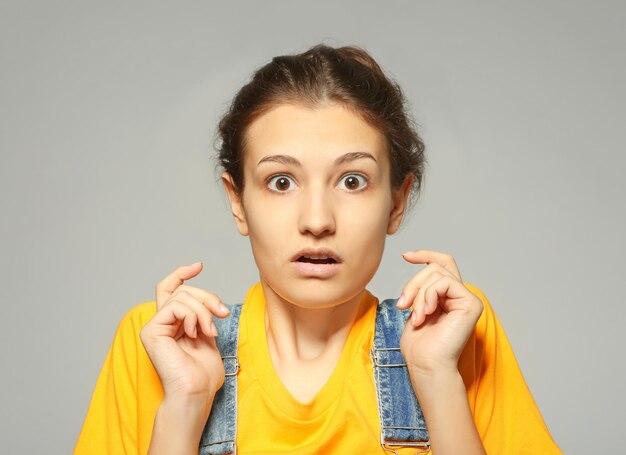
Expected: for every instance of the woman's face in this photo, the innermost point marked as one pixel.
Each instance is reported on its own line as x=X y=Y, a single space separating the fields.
x=316 y=179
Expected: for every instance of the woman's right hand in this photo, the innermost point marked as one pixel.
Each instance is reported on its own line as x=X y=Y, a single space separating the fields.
x=186 y=358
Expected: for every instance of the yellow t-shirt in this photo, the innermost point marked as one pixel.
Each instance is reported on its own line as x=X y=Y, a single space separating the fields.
x=341 y=418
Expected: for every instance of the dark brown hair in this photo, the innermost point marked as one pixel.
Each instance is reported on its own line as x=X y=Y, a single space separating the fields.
x=348 y=76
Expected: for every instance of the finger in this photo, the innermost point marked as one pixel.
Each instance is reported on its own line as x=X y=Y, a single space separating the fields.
x=168 y=285
x=451 y=295
x=209 y=299
x=173 y=315
x=203 y=312
x=418 y=313
x=410 y=290
x=429 y=257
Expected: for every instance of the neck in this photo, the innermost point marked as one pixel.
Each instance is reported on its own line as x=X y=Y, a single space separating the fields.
x=297 y=334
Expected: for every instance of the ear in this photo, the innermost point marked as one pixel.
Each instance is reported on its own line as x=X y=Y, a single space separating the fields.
x=399 y=198
x=236 y=204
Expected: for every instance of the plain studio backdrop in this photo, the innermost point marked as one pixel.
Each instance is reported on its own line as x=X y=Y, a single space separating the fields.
x=108 y=111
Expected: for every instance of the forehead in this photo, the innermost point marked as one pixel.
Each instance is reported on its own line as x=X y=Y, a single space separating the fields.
x=312 y=134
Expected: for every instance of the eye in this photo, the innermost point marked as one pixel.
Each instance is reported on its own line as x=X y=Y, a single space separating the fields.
x=283 y=183
x=354 y=182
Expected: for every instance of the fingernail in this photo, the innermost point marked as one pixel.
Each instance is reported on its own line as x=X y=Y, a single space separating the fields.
x=400 y=301
x=224 y=308
x=213 y=328
x=413 y=317
x=195 y=263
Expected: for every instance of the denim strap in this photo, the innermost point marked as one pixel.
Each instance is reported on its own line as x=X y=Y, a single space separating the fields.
x=220 y=432
x=401 y=418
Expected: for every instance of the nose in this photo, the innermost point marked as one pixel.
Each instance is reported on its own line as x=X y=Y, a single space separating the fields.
x=316 y=214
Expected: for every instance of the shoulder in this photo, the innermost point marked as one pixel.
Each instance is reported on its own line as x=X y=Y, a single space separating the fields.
x=141 y=313
x=488 y=317
x=489 y=335
x=136 y=317
x=490 y=339
x=478 y=293
x=128 y=357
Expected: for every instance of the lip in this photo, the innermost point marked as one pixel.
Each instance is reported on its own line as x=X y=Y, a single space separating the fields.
x=312 y=270
x=327 y=252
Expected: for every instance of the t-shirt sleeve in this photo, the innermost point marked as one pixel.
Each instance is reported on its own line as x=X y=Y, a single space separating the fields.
x=506 y=415
x=125 y=399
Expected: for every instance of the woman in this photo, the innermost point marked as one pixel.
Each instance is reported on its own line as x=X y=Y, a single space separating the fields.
x=320 y=163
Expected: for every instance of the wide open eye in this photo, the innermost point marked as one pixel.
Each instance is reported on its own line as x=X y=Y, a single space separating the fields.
x=281 y=184
x=354 y=182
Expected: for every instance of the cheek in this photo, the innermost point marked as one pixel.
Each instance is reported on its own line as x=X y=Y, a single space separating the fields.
x=368 y=229
x=267 y=235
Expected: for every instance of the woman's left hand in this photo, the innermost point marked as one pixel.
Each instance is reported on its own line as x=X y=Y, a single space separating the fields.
x=443 y=317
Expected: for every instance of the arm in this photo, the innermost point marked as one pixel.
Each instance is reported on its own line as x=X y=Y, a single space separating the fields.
x=178 y=425
x=498 y=406
x=111 y=422
x=503 y=406
x=443 y=400
x=444 y=314
x=179 y=341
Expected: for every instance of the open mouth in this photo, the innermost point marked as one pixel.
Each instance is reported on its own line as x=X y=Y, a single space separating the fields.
x=320 y=264
x=316 y=261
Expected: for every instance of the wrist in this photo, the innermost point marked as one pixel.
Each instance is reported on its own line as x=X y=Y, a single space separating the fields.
x=178 y=425
x=442 y=396
x=433 y=370
x=427 y=381
x=194 y=405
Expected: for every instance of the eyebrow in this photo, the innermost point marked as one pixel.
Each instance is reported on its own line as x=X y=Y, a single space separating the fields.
x=287 y=159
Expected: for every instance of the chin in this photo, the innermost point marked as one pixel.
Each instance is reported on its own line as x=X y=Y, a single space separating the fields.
x=316 y=293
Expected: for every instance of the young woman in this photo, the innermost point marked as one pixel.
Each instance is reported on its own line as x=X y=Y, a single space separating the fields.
x=320 y=163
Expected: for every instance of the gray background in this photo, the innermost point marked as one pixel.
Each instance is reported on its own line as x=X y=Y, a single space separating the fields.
x=107 y=117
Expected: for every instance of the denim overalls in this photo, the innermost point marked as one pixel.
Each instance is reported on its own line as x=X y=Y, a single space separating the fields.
x=402 y=421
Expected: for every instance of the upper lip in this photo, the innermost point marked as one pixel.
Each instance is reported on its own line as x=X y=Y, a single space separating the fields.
x=317 y=253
